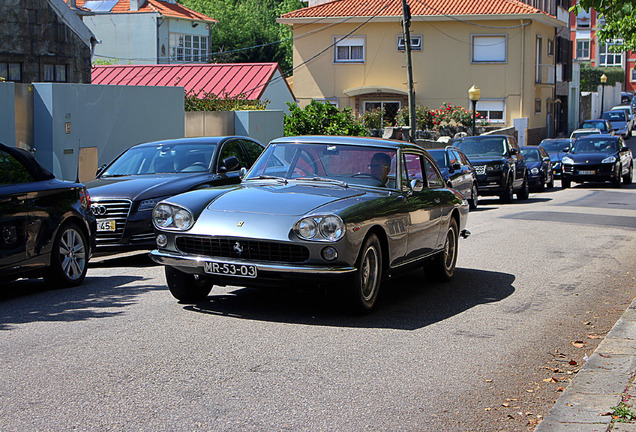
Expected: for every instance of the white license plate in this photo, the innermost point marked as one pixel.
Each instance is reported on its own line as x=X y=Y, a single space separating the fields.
x=584 y=172
x=106 y=225
x=227 y=269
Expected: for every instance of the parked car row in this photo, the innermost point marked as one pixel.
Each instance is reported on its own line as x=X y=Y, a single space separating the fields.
x=327 y=212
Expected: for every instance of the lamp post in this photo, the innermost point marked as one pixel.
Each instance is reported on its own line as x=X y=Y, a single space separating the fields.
x=603 y=81
x=473 y=95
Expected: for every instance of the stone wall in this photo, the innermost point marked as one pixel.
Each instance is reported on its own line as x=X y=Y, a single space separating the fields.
x=32 y=34
x=535 y=136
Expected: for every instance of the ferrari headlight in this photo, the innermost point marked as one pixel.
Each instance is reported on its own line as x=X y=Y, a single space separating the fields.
x=168 y=216
x=307 y=228
x=535 y=170
x=325 y=228
x=149 y=204
x=332 y=228
x=567 y=160
x=610 y=159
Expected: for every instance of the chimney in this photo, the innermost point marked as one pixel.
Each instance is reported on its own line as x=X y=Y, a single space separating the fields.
x=136 y=4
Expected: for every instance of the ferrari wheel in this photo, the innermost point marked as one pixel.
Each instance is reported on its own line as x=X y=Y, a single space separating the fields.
x=442 y=267
x=69 y=257
x=186 y=287
x=366 y=282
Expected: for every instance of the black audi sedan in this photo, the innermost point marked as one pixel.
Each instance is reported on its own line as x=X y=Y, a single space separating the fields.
x=47 y=228
x=125 y=191
x=539 y=166
x=458 y=173
x=598 y=158
x=556 y=148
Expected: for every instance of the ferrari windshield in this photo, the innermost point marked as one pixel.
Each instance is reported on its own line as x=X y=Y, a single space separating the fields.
x=482 y=146
x=169 y=158
x=346 y=164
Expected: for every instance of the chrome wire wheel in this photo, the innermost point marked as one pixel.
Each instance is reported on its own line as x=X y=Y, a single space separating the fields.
x=72 y=254
x=450 y=250
x=369 y=273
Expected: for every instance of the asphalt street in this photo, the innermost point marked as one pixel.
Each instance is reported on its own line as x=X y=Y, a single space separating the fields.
x=539 y=285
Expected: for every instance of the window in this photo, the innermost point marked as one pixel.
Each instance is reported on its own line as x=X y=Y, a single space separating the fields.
x=609 y=58
x=390 y=109
x=233 y=148
x=188 y=48
x=489 y=49
x=550 y=47
x=582 y=48
x=491 y=110
x=11 y=71
x=54 y=73
x=538 y=59
x=12 y=171
x=432 y=177
x=634 y=74
x=349 y=50
x=583 y=19
x=537 y=106
x=416 y=43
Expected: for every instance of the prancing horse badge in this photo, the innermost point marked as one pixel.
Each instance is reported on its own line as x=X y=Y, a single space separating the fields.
x=240 y=224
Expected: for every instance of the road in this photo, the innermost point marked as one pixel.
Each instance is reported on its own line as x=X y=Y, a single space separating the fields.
x=537 y=286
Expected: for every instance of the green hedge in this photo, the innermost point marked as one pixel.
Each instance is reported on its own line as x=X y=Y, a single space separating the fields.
x=591 y=77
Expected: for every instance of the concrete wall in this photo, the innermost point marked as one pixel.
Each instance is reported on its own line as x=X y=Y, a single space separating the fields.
x=69 y=118
x=7 y=113
x=263 y=126
x=278 y=94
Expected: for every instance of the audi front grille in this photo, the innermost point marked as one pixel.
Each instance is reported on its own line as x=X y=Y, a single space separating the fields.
x=480 y=169
x=249 y=249
x=116 y=210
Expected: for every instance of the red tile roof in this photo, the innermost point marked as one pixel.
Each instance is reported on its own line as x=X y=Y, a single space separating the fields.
x=387 y=8
x=162 y=7
x=232 y=79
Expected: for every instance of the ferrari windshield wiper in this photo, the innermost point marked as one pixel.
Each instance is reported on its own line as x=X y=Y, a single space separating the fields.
x=268 y=177
x=324 y=179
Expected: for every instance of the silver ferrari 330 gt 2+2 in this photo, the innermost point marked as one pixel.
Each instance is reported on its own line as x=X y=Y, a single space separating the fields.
x=314 y=211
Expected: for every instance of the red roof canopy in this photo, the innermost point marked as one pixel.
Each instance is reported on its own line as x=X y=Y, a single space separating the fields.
x=232 y=79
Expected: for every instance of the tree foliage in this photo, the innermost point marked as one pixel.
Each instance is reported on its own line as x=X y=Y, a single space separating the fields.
x=321 y=118
x=247 y=30
x=620 y=20
x=591 y=77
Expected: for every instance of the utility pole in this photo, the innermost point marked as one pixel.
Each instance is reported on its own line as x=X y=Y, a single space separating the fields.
x=406 y=23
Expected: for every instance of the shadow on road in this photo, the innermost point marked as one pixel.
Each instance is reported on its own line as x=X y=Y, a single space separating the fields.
x=32 y=300
x=408 y=302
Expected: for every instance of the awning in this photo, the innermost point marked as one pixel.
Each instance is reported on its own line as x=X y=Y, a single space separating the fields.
x=357 y=91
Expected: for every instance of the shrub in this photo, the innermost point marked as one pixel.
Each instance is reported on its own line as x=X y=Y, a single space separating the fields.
x=322 y=118
x=212 y=102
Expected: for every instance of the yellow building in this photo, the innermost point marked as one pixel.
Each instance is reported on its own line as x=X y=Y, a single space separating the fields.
x=352 y=53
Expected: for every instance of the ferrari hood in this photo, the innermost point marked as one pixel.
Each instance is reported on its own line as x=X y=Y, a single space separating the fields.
x=283 y=200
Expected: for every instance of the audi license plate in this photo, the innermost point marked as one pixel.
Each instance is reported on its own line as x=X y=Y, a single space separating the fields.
x=106 y=225
x=227 y=269
x=587 y=172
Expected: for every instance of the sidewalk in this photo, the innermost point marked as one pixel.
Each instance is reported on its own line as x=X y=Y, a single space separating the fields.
x=603 y=382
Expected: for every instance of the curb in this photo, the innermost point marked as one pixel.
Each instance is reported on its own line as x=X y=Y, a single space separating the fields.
x=599 y=384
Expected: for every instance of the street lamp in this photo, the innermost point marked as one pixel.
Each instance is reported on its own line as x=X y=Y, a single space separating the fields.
x=603 y=81
x=473 y=95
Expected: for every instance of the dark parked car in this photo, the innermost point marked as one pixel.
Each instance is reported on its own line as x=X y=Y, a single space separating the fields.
x=598 y=158
x=556 y=148
x=458 y=173
x=46 y=225
x=125 y=192
x=337 y=212
x=500 y=166
x=601 y=124
x=539 y=167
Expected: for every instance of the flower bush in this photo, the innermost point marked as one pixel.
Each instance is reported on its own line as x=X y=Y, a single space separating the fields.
x=374 y=119
x=447 y=120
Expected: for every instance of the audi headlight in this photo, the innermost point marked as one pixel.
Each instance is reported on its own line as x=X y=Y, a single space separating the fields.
x=168 y=216
x=322 y=228
x=567 y=160
x=149 y=204
x=534 y=171
x=610 y=159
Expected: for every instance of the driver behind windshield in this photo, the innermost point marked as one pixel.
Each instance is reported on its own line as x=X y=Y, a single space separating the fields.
x=380 y=166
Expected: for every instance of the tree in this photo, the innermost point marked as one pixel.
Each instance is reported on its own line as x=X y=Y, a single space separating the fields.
x=247 y=30
x=620 y=21
x=321 y=118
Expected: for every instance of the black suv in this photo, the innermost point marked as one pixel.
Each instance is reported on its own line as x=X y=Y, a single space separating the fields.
x=500 y=166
